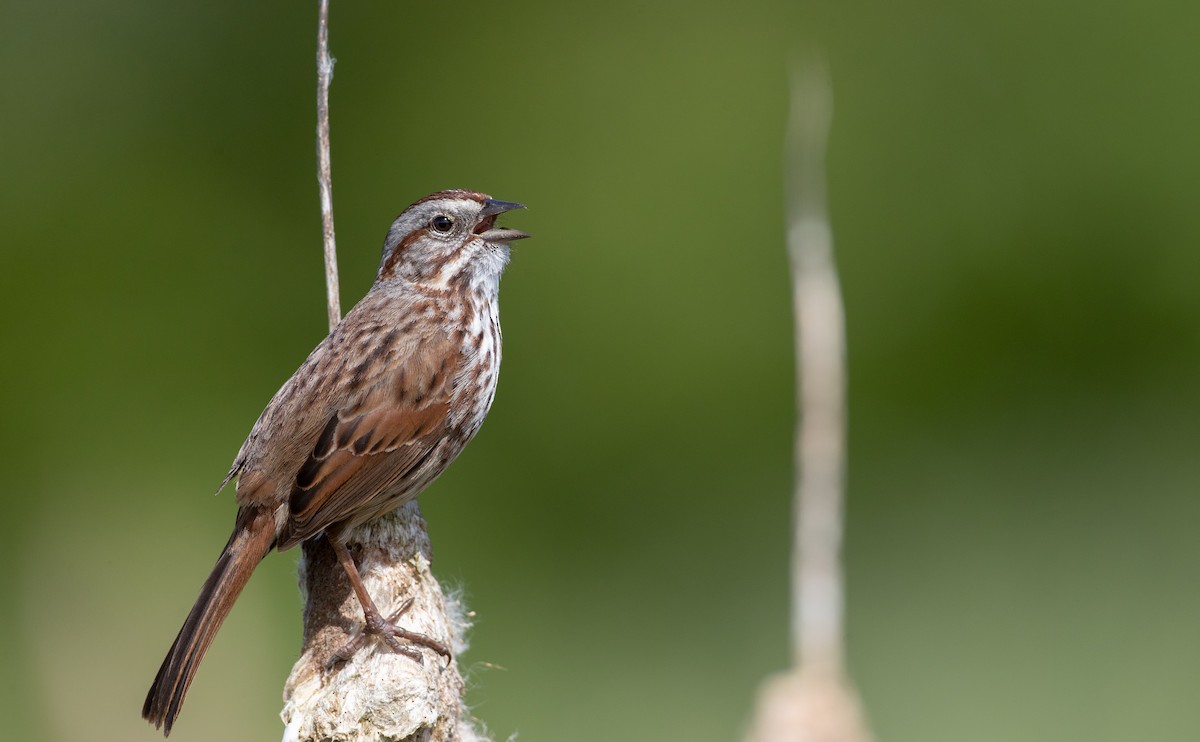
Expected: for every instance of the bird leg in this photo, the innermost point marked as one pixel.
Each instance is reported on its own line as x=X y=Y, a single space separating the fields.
x=385 y=629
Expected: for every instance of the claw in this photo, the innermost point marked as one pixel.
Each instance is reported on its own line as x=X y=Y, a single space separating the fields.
x=385 y=629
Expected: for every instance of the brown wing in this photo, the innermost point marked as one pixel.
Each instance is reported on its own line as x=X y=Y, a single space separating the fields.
x=367 y=448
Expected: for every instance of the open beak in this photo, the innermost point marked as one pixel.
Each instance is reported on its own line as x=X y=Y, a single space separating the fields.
x=503 y=235
x=491 y=208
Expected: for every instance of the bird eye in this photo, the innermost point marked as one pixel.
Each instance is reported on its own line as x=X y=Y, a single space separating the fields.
x=442 y=223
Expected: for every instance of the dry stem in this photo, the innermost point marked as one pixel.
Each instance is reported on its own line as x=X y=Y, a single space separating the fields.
x=377 y=694
x=324 y=169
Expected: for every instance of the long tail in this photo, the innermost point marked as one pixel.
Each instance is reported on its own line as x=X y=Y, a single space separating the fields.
x=252 y=538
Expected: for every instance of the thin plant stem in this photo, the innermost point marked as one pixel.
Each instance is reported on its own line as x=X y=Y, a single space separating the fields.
x=378 y=694
x=324 y=171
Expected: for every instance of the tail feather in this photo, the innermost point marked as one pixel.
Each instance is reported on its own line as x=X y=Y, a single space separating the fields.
x=252 y=539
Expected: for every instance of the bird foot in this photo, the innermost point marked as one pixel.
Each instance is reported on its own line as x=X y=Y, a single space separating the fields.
x=391 y=635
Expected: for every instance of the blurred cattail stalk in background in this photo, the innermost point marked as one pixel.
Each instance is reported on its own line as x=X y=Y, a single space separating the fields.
x=814 y=701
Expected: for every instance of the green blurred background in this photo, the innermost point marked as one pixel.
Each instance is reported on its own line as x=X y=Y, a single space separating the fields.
x=1014 y=191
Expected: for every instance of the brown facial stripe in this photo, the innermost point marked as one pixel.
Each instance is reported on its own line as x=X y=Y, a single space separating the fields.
x=389 y=267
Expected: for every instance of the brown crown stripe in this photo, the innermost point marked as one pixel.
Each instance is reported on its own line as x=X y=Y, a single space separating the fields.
x=455 y=193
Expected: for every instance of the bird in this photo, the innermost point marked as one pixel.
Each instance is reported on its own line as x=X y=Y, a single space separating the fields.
x=377 y=411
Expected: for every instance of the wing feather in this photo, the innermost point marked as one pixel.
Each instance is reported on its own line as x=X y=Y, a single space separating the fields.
x=365 y=450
